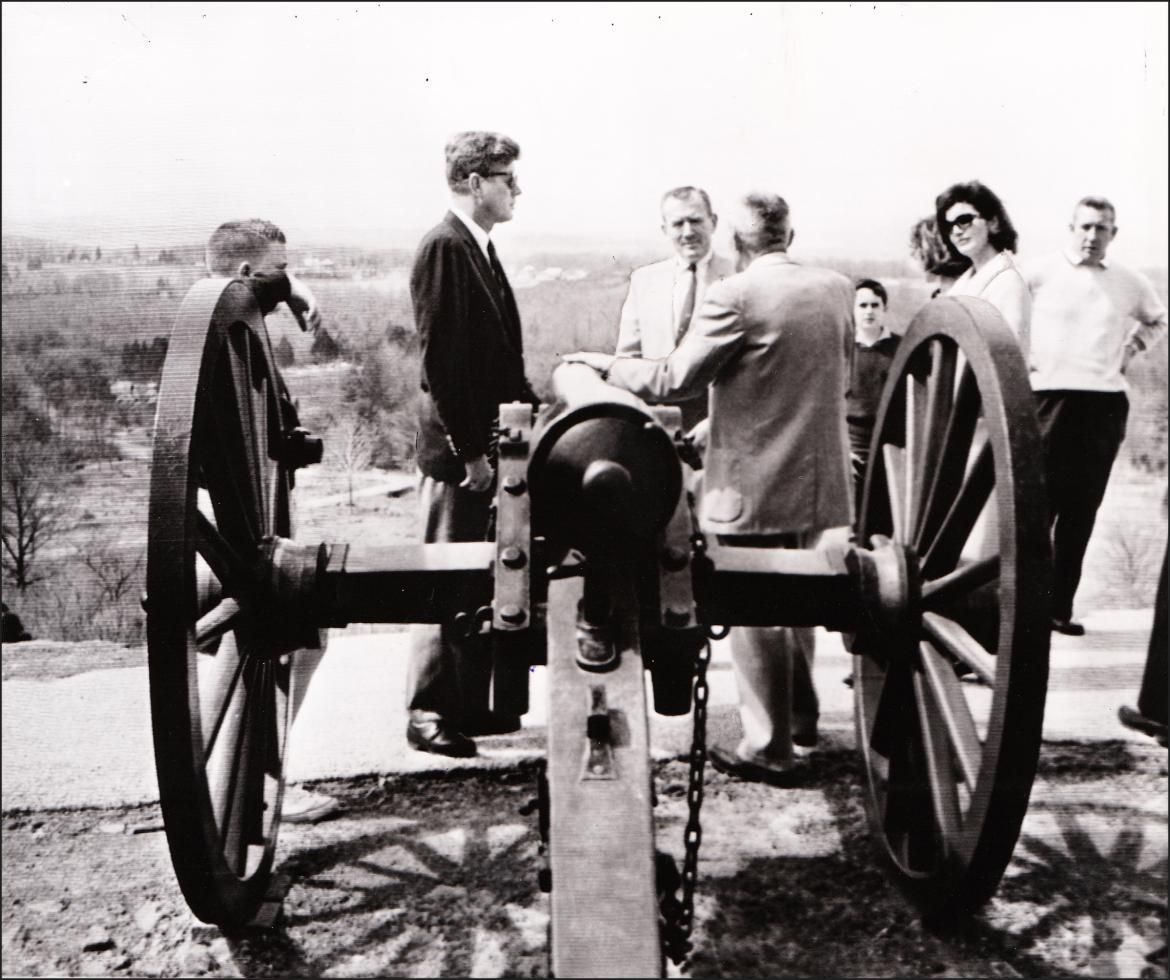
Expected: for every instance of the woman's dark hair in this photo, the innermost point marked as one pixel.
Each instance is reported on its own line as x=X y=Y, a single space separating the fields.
x=933 y=253
x=983 y=199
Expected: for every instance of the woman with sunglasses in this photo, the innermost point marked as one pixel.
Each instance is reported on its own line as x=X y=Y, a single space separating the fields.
x=978 y=230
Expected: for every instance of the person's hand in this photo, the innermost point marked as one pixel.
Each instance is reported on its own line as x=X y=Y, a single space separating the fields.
x=698 y=436
x=601 y=363
x=303 y=305
x=479 y=475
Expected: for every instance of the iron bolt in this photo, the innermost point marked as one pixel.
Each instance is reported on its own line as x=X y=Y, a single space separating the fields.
x=513 y=558
x=676 y=616
x=513 y=615
x=515 y=485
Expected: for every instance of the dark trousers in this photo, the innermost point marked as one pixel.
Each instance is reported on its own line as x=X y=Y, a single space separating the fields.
x=1153 y=695
x=860 y=434
x=450 y=673
x=1082 y=433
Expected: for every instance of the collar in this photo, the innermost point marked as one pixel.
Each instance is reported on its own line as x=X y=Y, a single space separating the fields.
x=1075 y=258
x=481 y=236
x=773 y=258
x=881 y=336
x=681 y=265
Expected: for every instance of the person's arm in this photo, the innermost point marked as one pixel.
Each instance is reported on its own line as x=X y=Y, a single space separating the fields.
x=715 y=335
x=303 y=304
x=1151 y=323
x=629 y=342
x=1009 y=294
x=440 y=288
x=272 y=289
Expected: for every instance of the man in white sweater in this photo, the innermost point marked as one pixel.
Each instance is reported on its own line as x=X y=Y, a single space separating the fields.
x=1090 y=318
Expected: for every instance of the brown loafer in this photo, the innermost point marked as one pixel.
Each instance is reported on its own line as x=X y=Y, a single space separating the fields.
x=437 y=737
x=732 y=765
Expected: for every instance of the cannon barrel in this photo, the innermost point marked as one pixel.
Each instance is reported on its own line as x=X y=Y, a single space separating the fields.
x=605 y=476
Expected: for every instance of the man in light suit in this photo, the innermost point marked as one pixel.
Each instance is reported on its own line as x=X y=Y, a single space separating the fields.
x=472 y=360
x=773 y=343
x=664 y=296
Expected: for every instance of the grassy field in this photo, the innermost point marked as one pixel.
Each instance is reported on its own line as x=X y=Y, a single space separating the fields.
x=56 y=314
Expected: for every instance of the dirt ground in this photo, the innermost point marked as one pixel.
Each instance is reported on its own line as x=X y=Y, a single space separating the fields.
x=437 y=876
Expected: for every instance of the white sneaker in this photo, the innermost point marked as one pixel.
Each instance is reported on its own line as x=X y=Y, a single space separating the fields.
x=301 y=806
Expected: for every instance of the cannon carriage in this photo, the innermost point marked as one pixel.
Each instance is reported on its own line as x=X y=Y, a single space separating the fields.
x=598 y=570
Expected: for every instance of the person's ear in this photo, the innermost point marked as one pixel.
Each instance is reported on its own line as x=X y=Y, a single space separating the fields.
x=791 y=237
x=714 y=221
x=993 y=226
x=245 y=269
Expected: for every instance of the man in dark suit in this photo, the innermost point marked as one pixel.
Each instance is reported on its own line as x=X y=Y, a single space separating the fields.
x=472 y=360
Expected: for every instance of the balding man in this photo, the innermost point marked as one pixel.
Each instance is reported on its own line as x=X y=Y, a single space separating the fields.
x=772 y=344
x=664 y=296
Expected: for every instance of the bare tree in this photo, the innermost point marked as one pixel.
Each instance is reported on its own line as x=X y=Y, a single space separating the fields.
x=351 y=447
x=33 y=511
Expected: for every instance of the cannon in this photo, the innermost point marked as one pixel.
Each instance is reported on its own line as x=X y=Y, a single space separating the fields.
x=598 y=571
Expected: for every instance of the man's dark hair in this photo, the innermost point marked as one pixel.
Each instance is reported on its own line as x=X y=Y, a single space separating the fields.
x=684 y=193
x=771 y=211
x=476 y=152
x=983 y=199
x=234 y=242
x=874 y=287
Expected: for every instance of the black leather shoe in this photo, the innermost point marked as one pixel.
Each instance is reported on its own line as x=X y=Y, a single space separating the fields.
x=730 y=764
x=1132 y=718
x=436 y=736
x=491 y=724
x=1067 y=627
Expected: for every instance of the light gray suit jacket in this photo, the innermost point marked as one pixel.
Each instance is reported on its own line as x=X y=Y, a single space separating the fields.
x=647 y=328
x=773 y=342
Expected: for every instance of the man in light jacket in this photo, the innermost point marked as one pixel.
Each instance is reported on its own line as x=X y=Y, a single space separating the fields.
x=773 y=344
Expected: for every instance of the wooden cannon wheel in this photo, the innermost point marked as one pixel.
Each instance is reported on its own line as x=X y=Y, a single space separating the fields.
x=219 y=672
x=949 y=707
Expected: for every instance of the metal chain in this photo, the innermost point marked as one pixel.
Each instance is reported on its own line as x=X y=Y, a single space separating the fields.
x=693 y=835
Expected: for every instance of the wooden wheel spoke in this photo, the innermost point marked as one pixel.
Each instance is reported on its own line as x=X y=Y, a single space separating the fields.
x=225 y=562
x=961 y=582
x=954 y=712
x=249 y=405
x=939 y=764
x=952 y=453
x=225 y=617
x=908 y=819
x=242 y=826
x=894 y=460
x=937 y=403
x=958 y=643
x=942 y=554
x=217 y=693
x=887 y=729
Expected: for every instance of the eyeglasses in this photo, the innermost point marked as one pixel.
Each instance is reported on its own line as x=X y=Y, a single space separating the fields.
x=963 y=221
x=509 y=179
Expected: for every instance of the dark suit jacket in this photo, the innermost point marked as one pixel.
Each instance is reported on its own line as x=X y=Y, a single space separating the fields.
x=472 y=352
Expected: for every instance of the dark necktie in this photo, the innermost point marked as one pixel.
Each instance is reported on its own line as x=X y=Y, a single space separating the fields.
x=688 y=307
x=497 y=269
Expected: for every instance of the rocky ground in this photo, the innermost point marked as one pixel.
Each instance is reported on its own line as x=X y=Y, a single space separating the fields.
x=433 y=876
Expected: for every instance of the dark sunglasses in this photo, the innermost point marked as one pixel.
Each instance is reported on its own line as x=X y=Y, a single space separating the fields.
x=509 y=179
x=962 y=221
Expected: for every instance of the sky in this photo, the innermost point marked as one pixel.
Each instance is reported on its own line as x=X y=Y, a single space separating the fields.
x=330 y=119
